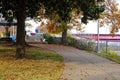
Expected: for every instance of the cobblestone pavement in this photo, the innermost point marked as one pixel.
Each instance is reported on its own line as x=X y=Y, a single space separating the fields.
x=81 y=65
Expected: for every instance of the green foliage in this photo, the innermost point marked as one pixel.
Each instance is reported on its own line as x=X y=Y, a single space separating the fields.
x=111 y=55
x=86 y=45
x=72 y=42
x=9 y=5
x=51 y=39
x=91 y=10
x=63 y=9
x=60 y=7
x=21 y=9
x=80 y=43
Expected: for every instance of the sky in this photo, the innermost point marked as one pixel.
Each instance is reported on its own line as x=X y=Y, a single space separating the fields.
x=91 y=27
x=33 y=26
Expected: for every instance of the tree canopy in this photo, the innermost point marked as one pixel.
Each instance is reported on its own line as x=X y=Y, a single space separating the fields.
x=19 y=9
x=60 y=11
x=56 y=10
x=63 y=9
x=9 y=7
x=111 y=16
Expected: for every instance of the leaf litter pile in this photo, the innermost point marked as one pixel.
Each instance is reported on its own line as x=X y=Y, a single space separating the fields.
x=38 y=65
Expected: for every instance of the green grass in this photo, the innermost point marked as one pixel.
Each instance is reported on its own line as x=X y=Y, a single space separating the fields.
x=111 y=55
x=39 y=65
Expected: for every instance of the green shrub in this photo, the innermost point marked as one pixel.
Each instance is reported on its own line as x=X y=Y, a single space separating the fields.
x=51 y=39
x=90 y=46
x=86 y=45
x=72 y=42
x=81 y=43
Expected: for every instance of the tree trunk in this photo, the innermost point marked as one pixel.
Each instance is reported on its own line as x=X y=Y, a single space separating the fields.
x=7 y=31
x=20 y=44
x=64 y=36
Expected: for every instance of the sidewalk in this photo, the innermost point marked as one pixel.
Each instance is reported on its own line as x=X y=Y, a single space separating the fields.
x=81 y=65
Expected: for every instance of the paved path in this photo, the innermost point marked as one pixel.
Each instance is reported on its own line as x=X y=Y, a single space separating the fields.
x=81 y=65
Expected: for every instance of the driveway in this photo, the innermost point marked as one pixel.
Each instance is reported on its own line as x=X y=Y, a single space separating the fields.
x=81 y=65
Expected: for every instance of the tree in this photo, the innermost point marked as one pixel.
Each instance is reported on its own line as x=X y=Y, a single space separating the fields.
x=52 y=27
x=62 y=10
x=111 y=16
x=20 y=9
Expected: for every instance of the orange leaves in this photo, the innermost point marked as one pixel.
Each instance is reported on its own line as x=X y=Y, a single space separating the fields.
x=101 y=24
x=52 y=27
x=111 y=16
x=102 y=16
x=30 y=68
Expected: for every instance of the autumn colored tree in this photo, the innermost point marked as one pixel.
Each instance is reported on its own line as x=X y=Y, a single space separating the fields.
x=61 y=8
x=52 y=27
x=60 y=12
x=76 y=20
x=111 y=16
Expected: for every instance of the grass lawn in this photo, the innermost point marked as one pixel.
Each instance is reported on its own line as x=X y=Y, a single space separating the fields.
x=39 y=65
x=111 y=55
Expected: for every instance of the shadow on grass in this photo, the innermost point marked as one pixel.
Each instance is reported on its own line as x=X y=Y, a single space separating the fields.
x=4 y=51
x=38 y=65
x=31 y=53
x=38 y=54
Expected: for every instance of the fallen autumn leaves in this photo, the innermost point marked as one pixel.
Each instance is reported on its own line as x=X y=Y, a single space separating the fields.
x=39 y=65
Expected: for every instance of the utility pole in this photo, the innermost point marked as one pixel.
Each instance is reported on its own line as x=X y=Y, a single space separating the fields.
x=98 y=40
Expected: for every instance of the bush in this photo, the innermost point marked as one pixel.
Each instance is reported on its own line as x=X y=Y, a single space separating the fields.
x=86 y=45
x=51 y=39
x=81 y=43
x=72 y=42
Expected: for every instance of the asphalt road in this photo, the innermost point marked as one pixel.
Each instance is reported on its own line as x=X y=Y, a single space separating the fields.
x=81 y=65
